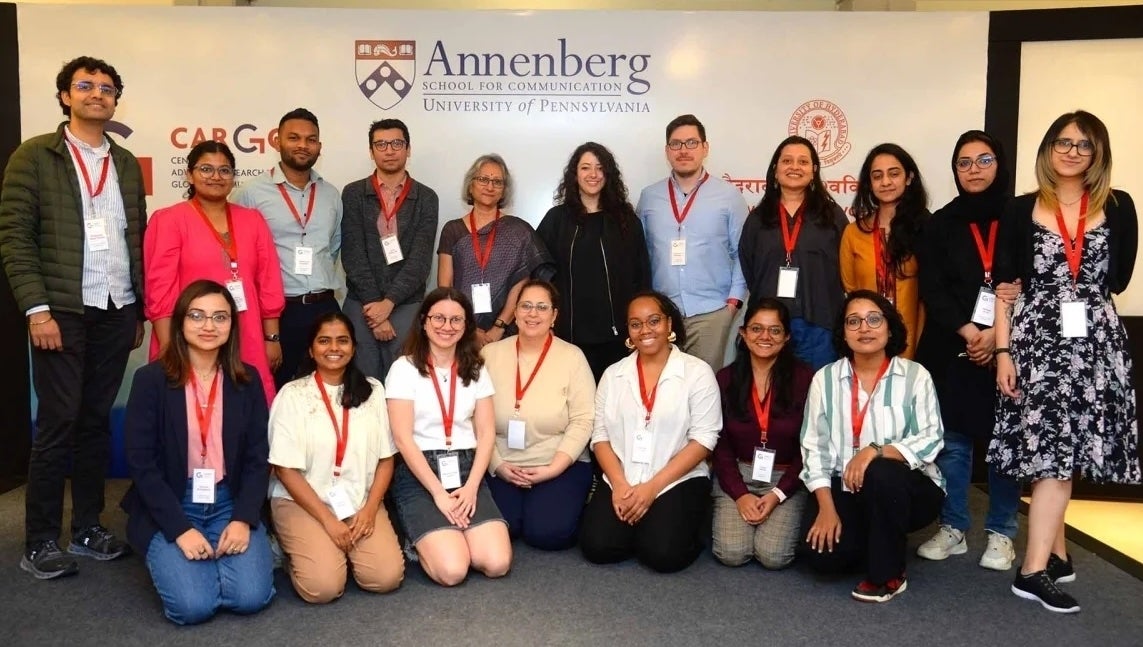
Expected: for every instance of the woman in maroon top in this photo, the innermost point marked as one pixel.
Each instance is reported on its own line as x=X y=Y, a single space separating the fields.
x=759 y=497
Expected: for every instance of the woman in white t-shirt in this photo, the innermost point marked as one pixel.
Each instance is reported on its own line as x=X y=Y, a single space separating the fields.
x=440 y=408
x=332 y=458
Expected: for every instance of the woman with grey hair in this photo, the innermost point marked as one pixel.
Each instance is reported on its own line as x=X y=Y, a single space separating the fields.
x=487 y=254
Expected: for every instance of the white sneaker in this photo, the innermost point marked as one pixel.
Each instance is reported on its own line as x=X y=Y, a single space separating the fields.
x=947 y=541
x=1000 y=553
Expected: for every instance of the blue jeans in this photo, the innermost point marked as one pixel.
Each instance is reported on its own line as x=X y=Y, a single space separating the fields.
x=812 y=344
x=193 y=591
x=546 y=515
x=955 y=462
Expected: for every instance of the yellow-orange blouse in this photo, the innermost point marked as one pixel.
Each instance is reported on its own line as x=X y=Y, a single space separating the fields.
x=859 y=272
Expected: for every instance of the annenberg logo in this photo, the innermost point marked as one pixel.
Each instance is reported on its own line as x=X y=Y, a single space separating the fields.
x=385 y=70
x=823 y=123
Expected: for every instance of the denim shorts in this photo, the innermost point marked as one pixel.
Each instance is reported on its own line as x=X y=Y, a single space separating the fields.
x=417 y=512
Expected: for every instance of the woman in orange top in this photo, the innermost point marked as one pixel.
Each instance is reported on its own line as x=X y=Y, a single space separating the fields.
x=892 y=202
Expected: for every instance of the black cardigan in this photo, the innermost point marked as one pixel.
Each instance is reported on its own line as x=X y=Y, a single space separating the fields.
x=1014 y=249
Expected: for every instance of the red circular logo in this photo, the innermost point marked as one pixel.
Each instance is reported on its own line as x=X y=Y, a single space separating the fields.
x=822 y=122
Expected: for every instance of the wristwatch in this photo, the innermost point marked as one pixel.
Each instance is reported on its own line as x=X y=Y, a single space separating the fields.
x=274 y=337
x=878 y=447
x=499 y=323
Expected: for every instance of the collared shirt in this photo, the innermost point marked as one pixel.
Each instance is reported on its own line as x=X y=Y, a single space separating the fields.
x=904 y=413
x=106 y=273
x=214 y=458
x=389 y=195
x=711 y=229
x=322 y=232
x=687 y=407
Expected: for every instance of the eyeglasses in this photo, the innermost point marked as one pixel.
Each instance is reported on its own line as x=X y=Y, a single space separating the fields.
x=676 y=144
x=484 y=180
x=873 y=320
x=1063 y=146
x=982 y=162
x=440 y=320
x=654 y=321
x=756 y=329
x=528 y=306
x=102 y=88
x=206 y=170
x=198 y=318
x=383 y=144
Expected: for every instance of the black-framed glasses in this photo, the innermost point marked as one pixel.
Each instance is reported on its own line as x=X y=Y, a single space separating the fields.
x=383 y=144
x=206 y=170
x=679 y=144
x=872 y=319
x=198 y=318
x=440 y=320
x=484 y=180
x=1063 y=146
x=528 y=306
x=756 y=329
x=654 y=321
x=981 y=161
x=103 y=88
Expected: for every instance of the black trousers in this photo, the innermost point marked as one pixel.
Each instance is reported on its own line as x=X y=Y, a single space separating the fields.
x=76 y=388
x=600 y=356
x=294 y=328
x=875 y=522
x=667 y=539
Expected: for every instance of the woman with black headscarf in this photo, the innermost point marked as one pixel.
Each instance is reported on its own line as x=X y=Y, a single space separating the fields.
x=956 y=256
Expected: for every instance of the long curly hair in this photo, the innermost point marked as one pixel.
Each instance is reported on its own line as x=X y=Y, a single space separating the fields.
x=613 y=198
x=911 y=209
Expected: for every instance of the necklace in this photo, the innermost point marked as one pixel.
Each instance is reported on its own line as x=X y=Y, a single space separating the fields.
x=1068 y=204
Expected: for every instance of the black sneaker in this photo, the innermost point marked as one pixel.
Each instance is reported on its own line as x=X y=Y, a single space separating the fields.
x=1039 y=586
x=867 y=591
x=1060 y=570
x=45 y=561
x=97 y=542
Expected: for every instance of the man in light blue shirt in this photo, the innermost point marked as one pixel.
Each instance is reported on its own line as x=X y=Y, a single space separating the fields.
x=693 y=221
x=304 y=215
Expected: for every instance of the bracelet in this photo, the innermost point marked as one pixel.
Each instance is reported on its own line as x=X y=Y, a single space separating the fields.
x=274 y=337
x=39 y=323
x=999 y=351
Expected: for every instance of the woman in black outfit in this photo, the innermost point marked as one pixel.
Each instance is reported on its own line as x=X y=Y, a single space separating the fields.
x=601 y=255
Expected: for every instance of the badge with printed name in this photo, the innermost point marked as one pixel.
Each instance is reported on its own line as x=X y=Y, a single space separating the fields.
x=339 y=500
x=392 y=249
x=984 y=311
x=679 y=251
x=481 y=298
x=95 y=234
x=1073 y=319
x=202 y=486
x=448 y=466
x=516 y=438
x=787 y=282
x=234 y=286
x=763 y=469
x=641 y=449
x=303 y=260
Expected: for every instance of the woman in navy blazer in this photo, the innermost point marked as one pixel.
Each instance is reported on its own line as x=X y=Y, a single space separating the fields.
x=199 y=482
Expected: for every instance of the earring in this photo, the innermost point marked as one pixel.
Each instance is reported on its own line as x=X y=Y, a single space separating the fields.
x=672 y=337
x=628 y=344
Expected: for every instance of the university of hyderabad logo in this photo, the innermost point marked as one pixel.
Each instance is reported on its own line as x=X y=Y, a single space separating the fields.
x=823 y=123
x=385 y=70
x=146 y=164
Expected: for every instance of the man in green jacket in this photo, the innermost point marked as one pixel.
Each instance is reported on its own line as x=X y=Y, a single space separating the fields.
x=72 y=213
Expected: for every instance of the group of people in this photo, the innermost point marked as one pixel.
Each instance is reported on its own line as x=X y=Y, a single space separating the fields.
x=565 y=384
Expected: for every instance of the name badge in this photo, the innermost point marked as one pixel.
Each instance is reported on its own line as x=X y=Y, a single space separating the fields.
x=763 y=469
x=787 y=282
x=234 y=286
x=95 y=234
x=516 y=439
x=679 y=251
x=303 y=260
x=1073 y=319
x=984 y=312
x=202 y=486
x=339 y=500
x=481 y=298
x=641 y=451
x=392 y=249
x=448 y=466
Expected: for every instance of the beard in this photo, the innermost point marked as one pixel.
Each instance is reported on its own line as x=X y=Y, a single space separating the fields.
x=288 y=160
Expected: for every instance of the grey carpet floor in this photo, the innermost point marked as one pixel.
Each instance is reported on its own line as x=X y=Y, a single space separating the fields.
x=559 y=599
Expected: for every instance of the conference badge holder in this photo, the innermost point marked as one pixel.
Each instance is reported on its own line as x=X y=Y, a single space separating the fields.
x=481 y=298
x=984 y=311
x=448 y=467
x=787 y=282
x=303 y=260
x=392 y=249
x=763 y=469
x=1073 y=319
x=679 y=251
x=202 y=486
x=339 y=501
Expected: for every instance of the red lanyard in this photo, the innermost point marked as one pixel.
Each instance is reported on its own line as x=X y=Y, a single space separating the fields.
x=986 y=251
x=309 y=208
x=1073 y=248
x=857 y=415
x=648 y=398
x=520 y=390
x=231 y=248
x=679 y=218
x=86 y=177
x=387 y=213
x=790 y=239
x=446 y=414
x=204 y=413
x=886 y=279
x=482 y=254
x=343 y=433
x=762 y=411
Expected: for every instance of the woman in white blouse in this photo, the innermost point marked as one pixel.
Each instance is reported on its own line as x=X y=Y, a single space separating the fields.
x=440 y=409
x=332 y=458
x=870 y=434
x=657 y=418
